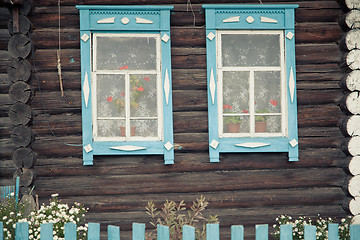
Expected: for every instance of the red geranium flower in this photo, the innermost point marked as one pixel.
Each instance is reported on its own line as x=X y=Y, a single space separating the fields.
x=147 y=79
x=227 y=106
x=273 y=102
x=123 y=94
x=245 y=111
x=109 y=99
x=124 y=67
x=141 y=89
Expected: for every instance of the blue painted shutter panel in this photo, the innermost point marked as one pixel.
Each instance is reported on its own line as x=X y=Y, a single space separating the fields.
x=146 y=20
x=237 y=19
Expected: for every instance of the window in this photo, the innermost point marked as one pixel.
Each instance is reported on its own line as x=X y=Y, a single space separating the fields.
x=251 y=79
x=126 y=81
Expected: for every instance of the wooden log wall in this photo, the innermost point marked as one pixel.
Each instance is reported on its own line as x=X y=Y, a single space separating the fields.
x=17 y=83
x=350 y=103
x=243 y=189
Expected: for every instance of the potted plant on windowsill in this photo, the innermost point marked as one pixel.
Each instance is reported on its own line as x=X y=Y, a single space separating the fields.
x=260 y=121
x=136 y=88
x=232 y=122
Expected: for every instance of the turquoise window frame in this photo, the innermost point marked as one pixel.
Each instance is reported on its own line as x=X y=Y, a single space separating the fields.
x=125 y=19
x=251 y=17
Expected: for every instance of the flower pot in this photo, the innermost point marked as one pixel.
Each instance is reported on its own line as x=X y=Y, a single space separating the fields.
x=260 y=127
x=132 y=131
x=233 y=127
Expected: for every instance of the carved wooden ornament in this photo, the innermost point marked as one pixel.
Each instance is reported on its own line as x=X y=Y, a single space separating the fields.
x=232 y=19
x=86 y=89
x=252 y=144
x=212 y=86
x=88 y=148
x=165 y=38
x=85 y=37
x=107 y=20
x=250 y=19
x=211 y=36
x=168 y=146
x=128 y=148
x=292 y=84
x=125 y=20
x=267 y=20
x=143 y=21
x=167 y=86
x=214 y=144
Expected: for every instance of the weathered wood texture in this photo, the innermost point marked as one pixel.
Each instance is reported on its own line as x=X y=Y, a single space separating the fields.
x=242 y=188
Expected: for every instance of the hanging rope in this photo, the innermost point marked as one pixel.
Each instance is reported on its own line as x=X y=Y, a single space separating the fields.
x=59 y=53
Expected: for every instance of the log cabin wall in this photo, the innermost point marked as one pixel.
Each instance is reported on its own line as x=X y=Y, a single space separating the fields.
x=243 y=189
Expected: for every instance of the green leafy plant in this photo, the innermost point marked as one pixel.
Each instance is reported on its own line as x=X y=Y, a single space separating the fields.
x=11 y=212
x=230 y=119
x=175 y=216
x=320 y=223
x=261 y=118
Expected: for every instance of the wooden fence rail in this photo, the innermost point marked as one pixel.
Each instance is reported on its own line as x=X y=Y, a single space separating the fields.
x=212 y=232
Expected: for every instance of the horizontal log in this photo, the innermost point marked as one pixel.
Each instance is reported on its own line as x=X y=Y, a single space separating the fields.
x=354 y=206
x=354 y=165
x=19 y=70
x=187 y=58
x=351 y=81
x=350 y=126
x=22 y=136
x=351 y=146
x=24 y=158
x=20 y=92
x=354 y=186
x=187 y=36
x=23 y=24
x=19 y=46
x=350 y=40
x=350 y=20
x=4 y=38
x=350 y=61
x=232 y=199
x=349 y=4
x=20 y=113
x=350 y=103
x=185 y=162
x=183 y=182
x=26 y=176
x=5 y=60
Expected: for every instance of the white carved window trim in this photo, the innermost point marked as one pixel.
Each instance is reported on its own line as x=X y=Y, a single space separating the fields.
x=127 y=73
x=282 y=69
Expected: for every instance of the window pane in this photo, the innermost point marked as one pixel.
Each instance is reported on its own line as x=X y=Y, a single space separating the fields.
x=236 y=124
x=250 y=50
x=121 y=53
x=269 y=124
x=110 y=95
x=236 y=92
x=143 y=98
x=145 y=128
x=110 y=128
x=267 y=92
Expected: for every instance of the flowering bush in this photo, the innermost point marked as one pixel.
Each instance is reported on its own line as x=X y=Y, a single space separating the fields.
x=10 y=213
x=320 y=223
x=56 y=213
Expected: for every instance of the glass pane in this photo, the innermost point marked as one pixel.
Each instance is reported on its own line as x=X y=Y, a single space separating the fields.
x=143 y=99
x=145 y=128
x=236 y=92
x=236 y=124
x=267 y=92
x=110 y=128
x=250 y=50
x=269 y=124
x=110 y=95
x=121 y=53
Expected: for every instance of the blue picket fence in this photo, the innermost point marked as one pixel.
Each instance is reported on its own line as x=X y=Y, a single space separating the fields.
x=212 y=232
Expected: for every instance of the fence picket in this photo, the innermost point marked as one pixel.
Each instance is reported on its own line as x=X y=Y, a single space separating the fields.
x=70 y=231
x=262 y=232
x=94 y=231
x=333 y=231
x=237 y=232
x=138 y=231
x=1 y=231
x=113 y=232
x=22 y=231
x=46 y=231
x=212 y=231
x=162 y=232
x=310 y=232
x=286 y=232
x=188 y=233
x=354 y=232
